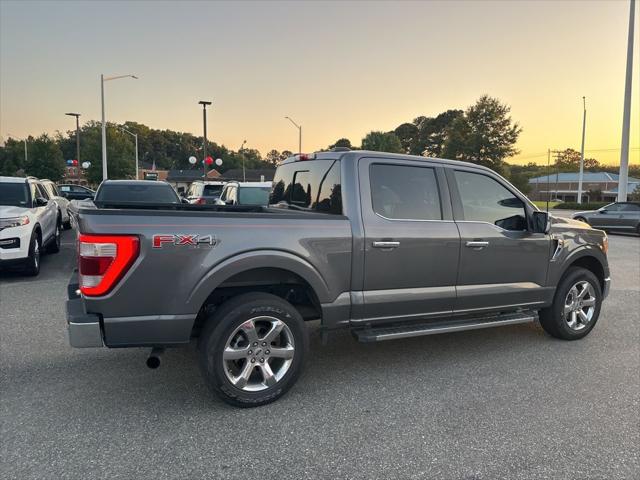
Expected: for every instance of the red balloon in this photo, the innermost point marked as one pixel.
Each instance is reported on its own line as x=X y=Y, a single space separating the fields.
x=208 y=160
x=75 y=162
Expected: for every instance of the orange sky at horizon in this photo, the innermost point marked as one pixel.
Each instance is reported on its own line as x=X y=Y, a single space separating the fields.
x=339 y=69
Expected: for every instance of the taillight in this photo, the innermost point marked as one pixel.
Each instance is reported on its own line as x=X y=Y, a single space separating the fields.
x=200 y=201
x=103 y=260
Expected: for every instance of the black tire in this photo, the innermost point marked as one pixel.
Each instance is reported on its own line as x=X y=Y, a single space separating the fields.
x=54 y=243
x=582 y=219
x=32 y=264
x=553 y=320
x=220 y=327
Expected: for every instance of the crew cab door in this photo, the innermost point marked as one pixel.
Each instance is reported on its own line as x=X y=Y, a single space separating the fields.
x=411 y=242
x=502 y=264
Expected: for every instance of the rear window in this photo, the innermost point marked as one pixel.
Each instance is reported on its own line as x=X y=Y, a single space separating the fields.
x=14 y=194
x=313 y=185
x=153 y=193
x=212 y=190
x=253 y=195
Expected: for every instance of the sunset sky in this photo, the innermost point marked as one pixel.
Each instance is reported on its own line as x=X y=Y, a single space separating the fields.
x=340 y=69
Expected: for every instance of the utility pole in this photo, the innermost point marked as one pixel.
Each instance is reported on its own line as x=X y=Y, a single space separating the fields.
x=556 y=156
x=584 y=126
x=548 y=177
x=244 y=175
x=299 y=127
x=626 y=116
x=204 y=139
x=77 y=115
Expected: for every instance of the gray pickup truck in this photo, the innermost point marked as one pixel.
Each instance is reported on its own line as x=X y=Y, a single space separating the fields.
x=388 y=246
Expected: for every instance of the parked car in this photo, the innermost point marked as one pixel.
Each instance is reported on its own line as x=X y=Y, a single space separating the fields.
x=204 y=193
x=136 y=191
x=61 y=202
x=621 y=216
x=245 y=193
x=75 y=192
x=29 y=223
x=387 y=246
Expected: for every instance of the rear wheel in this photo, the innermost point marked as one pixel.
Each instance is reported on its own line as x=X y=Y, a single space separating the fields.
x=252 y=349
x=582 y=219
x=32 y=264
x=54 y=246
x=576 y=306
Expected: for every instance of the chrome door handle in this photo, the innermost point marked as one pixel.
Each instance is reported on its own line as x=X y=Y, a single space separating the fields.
x=386 y=244
x=477 y=244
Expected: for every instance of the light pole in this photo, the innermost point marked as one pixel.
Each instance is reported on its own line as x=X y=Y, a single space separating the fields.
x=204 y=104
x=584 y=126
x=626 y=116
x=77 y=115
x=299 y=127
x=244 y=175
x=135 y=136
x=104 y=124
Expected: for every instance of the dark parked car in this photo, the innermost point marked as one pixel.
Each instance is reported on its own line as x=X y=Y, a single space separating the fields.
x=75 y=192
x=135 y=191
x=621 y=216
x=387 y=246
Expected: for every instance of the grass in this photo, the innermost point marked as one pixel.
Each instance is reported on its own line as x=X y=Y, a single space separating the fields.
x=543 y=204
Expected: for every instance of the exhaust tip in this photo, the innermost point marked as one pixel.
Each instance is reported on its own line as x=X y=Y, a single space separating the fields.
x=153 y=362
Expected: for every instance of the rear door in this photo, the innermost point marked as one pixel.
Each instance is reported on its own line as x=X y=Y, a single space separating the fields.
x=502 y=264
x=411 y=241
x=629 y=216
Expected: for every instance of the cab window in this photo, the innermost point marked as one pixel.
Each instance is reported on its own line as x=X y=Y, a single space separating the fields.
x=484 y=199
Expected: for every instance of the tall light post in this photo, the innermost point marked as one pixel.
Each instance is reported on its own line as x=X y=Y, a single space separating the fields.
x=77 y=115
x=299 y=127
x=244 y=175
x=204 y=104
x=584 y=126
x=104 y=124
x=135 y=136
x=626 y=116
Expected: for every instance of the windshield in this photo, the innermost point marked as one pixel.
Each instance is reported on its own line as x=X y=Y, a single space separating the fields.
x=14 y=195
x=212 y=190
x=253 y=195
x=137 y=193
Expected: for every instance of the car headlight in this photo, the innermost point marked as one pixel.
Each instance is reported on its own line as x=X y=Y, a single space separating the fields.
x=13 y=222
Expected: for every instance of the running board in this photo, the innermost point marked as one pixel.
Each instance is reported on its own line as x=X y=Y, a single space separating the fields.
x=378 y=334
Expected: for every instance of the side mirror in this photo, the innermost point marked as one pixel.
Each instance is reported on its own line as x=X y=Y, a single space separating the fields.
x=540 y=222
x=184 y=200
x=41 y=201
x=602 y=210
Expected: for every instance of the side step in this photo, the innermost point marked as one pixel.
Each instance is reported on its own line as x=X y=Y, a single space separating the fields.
x=378 y=334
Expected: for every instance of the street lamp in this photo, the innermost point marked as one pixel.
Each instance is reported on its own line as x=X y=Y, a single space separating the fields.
x=204 y=104
x=135 y=136
x=299 y=127
x=244 y=175
x=26 y=157
x=77 y=115
x=104 y=124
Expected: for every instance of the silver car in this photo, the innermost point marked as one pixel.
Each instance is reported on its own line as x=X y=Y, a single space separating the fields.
x=623 y=216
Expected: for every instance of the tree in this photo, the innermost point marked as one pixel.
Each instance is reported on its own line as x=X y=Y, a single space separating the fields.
x=382 y=142
x=635 y=195
x=45 y=159
x=273 y=157
x=407 y=134
x=569 y=161
x=341 y=143
x=12 y=156
x=485 y=134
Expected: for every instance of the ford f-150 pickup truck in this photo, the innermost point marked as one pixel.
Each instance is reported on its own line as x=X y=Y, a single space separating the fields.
x=388 y=246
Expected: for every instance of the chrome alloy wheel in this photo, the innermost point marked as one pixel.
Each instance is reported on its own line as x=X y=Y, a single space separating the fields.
x=258 y=353
x=36 y=254
x=579 y=305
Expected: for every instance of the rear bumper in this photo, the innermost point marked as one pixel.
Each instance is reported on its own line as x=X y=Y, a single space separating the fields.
x=83 y=328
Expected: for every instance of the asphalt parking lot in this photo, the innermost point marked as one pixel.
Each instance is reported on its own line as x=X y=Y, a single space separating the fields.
x=498 y=403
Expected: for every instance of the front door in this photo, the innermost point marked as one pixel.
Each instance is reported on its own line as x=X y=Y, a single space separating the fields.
x=411 y=242
x=502 y=264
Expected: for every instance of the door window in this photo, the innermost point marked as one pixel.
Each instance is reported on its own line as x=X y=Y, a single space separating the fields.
x=42 y=192
x=404 y=192
x=630 y=207
x=486 y=200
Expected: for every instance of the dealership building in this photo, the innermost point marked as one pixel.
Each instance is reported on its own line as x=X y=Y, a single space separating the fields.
x=596 y=187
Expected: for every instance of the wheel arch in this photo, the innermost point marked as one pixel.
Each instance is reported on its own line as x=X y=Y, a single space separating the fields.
x=585 y=259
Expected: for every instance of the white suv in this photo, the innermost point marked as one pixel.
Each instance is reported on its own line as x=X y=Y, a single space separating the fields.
x=29 y=223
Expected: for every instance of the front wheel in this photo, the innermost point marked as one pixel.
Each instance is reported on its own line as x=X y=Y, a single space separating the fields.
x=252 y=349
x=576 y=306
x=32 y=264
x=54 y=246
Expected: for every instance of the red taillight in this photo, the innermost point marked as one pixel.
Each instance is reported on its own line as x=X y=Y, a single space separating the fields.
x=305 y=156
x=200 y=201
x=103 y=260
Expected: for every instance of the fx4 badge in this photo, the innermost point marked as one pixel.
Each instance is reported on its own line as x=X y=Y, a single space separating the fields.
x=159 y=241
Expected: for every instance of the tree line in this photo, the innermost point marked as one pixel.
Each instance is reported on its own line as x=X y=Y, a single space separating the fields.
x=484 y=134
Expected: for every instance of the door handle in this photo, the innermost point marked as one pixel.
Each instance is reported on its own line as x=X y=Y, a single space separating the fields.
x=477 y=244
x=386 y=244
